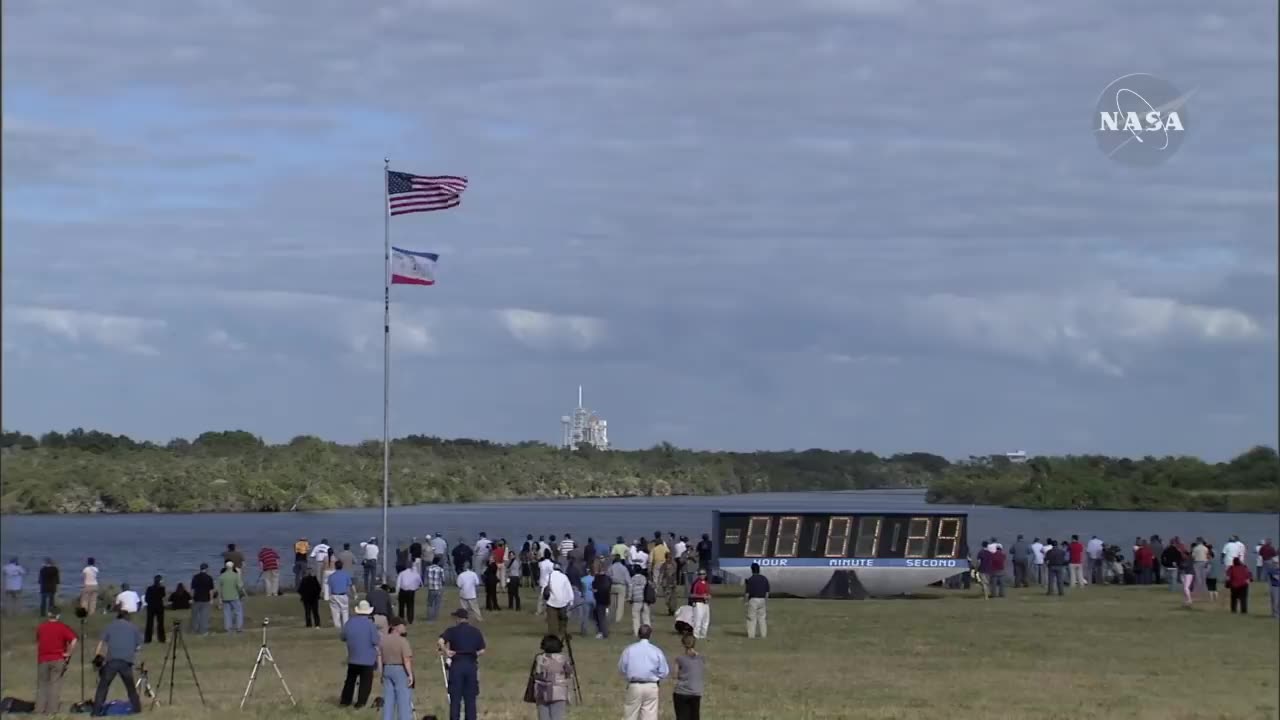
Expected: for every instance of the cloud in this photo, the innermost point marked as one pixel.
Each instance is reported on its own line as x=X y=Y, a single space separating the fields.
x=116 y=332
x=222 y=340
x=542 y=330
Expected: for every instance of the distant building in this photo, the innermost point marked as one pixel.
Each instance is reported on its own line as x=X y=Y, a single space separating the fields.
x=1017 y=456
x=583 y=426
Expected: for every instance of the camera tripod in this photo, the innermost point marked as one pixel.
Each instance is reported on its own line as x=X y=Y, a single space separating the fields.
x=264 y=653
x=568 y=646
x=171 y=664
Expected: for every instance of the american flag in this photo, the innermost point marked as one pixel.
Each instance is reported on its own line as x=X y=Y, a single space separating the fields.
x=408 y=193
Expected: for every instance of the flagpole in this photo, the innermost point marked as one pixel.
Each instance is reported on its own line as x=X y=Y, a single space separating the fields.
x=386 y=359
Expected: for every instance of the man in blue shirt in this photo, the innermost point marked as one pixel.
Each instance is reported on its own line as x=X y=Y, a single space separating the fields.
x=462 y=644
x=644 y=666
x=339 y=603
x=363 y=654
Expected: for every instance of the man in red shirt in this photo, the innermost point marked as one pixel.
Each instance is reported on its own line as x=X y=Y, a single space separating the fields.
x=269 y=559
x=1143 y=561
x=700 y=599
x=1075 y=552
x=54 y=643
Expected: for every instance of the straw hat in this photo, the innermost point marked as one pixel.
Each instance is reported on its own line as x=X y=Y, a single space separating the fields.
x=363 y=608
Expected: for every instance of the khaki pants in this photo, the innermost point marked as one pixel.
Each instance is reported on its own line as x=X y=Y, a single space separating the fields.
x=48 y=687
x=472 y=606
x=1077 y=575
x=618 y=599
x=271 y=578
x=641 y=614
x=89 y=599
x=756 y=618
x=642 y=702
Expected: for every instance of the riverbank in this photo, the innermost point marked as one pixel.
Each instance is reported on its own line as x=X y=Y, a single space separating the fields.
x=1110 y=653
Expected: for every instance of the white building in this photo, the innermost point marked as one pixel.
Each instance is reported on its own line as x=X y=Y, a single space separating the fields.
x=584 y=426
x=1017 y=456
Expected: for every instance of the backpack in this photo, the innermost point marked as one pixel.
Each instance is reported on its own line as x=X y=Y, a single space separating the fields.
x=16 y=706
x=650 y=595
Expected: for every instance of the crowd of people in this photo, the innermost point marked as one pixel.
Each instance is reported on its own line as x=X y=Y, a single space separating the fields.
x=592 y=586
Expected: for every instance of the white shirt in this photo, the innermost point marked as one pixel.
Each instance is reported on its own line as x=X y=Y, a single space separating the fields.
x=370 y=551
x=1094 y=549
x=641 y=558
x=1037 y=551
x=467 y=583
x=566 y=546
x=408 y=580
x=483 y=545
x=90 y=576
x=1231 y=551
x=439 y=546
x=320 y=552
x=561 y=590
x=13 y=573
x=544 y=572
x=128 y=601
x=680 y=550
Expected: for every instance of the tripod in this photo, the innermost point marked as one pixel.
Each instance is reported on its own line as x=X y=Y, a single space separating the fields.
x=568 y=645
x=264 y=653
x=171 y=664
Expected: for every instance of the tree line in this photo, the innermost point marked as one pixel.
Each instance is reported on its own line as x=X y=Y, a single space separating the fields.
x=91 y=471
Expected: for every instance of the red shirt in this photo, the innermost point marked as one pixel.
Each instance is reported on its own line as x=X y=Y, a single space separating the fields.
x=701 y=590
x=499 y=554
x=52 y=639
x=1077 y=552
x=269 y=559
x=1144 y=556
x=1238 y=576
x=1267 y=552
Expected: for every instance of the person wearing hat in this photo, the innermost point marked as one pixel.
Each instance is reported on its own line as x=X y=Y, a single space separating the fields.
x=462 y=645
x=397 y=672
x=231 y=594
x=54 y=643
x=364 y=654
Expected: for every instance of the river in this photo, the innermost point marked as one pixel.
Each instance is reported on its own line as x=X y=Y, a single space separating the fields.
x=132 y=548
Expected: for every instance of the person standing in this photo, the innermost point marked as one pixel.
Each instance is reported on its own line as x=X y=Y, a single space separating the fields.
x=514 y=569
x=567 y=545
x=669 y=583
x=234 y=556
x=545 y=566
x=339 y=585
x=407 y=584
x=348 y=560
x=49 y=578
x=379 y=598
x=397 y=671
x=462 y=555
x=483 y=547
x=300 y=551
x=54 y=643
x=638 y=594
x=1258 y=559
x=1093 y=551
x=1037 y=562
x=1200 y=562
x=127 y=600
x=1273 y=581
x=558 y=597
x=681 y=553
x=1211 y=575
x=231 y=594
x=755 y=596
x=620 y=578
x=309 y=592
x=462 y=646
x=369 y=555
x=435 y=587
x=364 y=647
x=155 y=597
x=467 y=583
x=13 y=574
x=201 y=595
x=1170 y=559
x=1238 y=579
x=269 y=562
x=491 y=587
x=658 y=554
x=1055 y=560
x=89 y=587
x=118 y=649
x=1266 y=552
x=643 y=666
x=700 y=598
x=705 y=552
x=1187 y=571
x=1020 y=555
x=589 y=554
x=585 y=597
x=552 y=674
x=1232 y=550
x=690 y=680
x=1075 y=553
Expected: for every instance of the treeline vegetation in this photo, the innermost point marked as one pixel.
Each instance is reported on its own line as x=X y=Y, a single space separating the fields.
x=91 y=471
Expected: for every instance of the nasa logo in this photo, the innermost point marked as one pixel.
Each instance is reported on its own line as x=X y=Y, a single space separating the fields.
x=1140 y=120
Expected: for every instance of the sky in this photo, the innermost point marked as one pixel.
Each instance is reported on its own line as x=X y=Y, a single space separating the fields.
x=846 y=224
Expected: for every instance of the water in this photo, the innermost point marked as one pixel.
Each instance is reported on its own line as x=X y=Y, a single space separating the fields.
x=133 y=548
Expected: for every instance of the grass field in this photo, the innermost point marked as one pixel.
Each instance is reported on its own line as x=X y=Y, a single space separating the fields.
x=1098 y=653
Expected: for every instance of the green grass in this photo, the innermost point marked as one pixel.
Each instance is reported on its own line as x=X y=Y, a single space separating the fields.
x=1098 y=653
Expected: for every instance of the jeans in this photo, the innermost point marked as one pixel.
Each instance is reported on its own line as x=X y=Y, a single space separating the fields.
x=513 y=593
x=995 y=584
x=200 y=618
x=397 y=697
x=232 y=610
x=1057 y=577
x=688 y=707
x=553 y=711
x=1042 y=578
x=363 y=673
x=370 y=574
x=1019 y=573
x=1096 y=573
x=1275 y=601
x=48 y=600
x=601 y=613
x=434 y=598
x=464 y=688
x=299 y=570
x=109 y=673
x=1240 y=598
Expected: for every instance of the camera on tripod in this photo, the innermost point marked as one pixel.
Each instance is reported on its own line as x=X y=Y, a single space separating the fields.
x=81 y=612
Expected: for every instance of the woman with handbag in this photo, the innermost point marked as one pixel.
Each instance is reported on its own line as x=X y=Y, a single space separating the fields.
x=549 y=679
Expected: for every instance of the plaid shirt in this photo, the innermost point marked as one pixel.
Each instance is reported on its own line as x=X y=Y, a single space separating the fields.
x=435 y=577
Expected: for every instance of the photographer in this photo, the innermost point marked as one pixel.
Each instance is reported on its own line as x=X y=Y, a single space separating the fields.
x=54 y=643
x=115 y=655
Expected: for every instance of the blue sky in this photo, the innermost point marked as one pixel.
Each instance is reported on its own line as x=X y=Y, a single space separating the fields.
x=825 y=223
